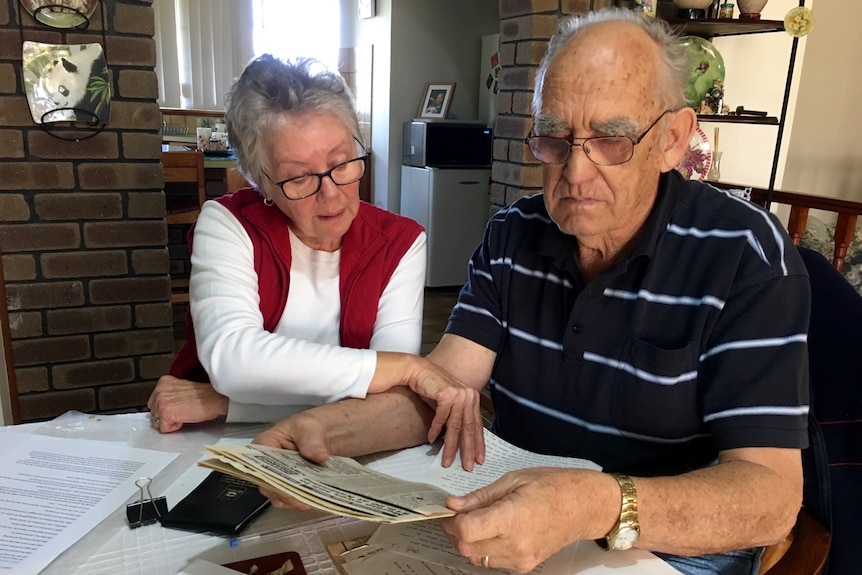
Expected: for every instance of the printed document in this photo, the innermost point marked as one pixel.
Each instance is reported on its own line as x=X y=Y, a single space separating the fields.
x=54 y=490
x=426 y=541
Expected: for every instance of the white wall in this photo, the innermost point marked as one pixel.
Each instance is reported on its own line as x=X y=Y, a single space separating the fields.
x=825 y=155
x=376 y=32
x=820 y=150
x=415 y=42
x=756 y=73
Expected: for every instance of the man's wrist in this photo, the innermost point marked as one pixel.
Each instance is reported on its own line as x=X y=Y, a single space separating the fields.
x=626 y=530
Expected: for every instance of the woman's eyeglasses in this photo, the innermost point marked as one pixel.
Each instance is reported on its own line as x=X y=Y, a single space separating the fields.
x=307 y=185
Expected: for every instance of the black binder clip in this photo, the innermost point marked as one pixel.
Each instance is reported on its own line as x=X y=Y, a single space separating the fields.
x=146 y=510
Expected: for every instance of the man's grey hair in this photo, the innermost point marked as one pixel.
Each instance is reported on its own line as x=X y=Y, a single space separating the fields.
x=267 y=92
x=673 y=70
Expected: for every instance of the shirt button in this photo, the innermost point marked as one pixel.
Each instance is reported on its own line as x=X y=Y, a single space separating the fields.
x=577 y=328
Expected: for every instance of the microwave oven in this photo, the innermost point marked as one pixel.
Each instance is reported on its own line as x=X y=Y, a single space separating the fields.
x=447 y=144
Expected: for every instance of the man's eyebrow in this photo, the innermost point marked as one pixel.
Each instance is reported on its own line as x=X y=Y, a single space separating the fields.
x=547 y=124
x=617 y=126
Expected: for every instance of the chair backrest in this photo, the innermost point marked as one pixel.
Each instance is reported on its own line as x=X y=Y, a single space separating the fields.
x=183 y=166
x=835 y=366
x=185 y=194
x=185 y=185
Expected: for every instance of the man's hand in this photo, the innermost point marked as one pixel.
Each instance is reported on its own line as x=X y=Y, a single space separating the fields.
x=526 y=516
x=302 y=433
x=175 y=402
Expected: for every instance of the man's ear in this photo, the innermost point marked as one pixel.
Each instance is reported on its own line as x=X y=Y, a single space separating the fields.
x=677 y=137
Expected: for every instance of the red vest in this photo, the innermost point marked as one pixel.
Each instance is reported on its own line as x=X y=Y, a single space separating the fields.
x=370 y=252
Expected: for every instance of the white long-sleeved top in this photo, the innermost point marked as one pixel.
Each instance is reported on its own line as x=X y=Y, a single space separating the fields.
x=268 y=376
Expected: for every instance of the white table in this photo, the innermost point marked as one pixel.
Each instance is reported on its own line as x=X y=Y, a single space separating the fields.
x=112 y=548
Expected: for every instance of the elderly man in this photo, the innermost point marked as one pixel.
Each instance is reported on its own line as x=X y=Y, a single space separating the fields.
x=654 y=325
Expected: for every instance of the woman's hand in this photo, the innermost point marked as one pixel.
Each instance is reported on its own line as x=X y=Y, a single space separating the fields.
x=175 y=402
x=456 y=404
x=457 y=408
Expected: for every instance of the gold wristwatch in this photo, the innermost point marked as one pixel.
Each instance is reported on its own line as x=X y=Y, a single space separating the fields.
x=626 y=533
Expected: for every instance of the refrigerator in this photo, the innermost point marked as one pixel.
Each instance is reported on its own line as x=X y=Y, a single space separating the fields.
x=453 y=205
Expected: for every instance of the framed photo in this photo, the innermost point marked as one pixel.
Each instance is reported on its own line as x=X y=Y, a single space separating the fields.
x=367 y=8
x=436 y=100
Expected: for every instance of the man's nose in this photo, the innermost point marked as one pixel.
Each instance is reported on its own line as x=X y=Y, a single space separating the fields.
x=578 y=167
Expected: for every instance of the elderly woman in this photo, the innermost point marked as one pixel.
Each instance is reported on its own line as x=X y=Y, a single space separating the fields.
x=300 y=293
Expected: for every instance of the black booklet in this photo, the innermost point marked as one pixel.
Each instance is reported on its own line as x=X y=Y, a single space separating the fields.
x=221 y=504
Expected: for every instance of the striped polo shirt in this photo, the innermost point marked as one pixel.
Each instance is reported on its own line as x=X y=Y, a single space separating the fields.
x=694 y=343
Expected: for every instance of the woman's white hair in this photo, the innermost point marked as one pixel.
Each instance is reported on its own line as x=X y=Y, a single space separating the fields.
x=268 y=91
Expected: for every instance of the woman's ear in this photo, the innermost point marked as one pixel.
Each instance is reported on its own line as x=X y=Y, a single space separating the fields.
x=677 y=137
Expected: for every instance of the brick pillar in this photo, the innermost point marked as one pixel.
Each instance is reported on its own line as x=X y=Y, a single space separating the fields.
x=525 y=28
x=82 y=230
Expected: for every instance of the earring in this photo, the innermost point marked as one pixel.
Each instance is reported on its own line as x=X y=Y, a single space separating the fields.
x=267 y=202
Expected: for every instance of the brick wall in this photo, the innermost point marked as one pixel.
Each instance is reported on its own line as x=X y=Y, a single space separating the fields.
x=82 y=230
x=525 y=28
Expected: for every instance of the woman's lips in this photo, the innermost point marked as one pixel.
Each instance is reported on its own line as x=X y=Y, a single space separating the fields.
x=331 y=216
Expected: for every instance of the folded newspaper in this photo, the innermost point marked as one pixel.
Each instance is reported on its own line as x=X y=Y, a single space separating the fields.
x=341 y=485
x=344 y=486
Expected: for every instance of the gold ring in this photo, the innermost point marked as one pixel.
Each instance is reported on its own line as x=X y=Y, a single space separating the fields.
x=485 y=562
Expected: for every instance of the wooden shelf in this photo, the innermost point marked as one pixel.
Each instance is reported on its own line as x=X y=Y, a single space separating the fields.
x=727 y=119
x=713 y=27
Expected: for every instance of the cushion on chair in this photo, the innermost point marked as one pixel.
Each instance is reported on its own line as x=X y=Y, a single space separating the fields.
x=820 y=237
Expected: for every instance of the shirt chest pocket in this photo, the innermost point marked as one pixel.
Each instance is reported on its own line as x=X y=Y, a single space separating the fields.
x=655 y=391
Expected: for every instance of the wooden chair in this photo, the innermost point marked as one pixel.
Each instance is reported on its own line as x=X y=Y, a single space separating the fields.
x=185 y=186
x=834 y=333
x=847 y=213
x=185 y=193
x=803 y=552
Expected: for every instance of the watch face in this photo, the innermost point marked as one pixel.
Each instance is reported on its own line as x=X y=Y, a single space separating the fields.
x=624 y=539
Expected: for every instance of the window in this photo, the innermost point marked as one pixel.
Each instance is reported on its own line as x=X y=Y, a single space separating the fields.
x=292 y=28
x=202 y=45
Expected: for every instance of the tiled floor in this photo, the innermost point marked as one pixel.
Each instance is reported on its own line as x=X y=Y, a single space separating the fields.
x=438 y=305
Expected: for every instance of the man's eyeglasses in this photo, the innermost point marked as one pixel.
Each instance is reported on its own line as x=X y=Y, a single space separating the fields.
x=307 y=185
x=601 y=150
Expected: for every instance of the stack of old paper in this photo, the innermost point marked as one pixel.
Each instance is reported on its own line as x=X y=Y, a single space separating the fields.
x=407 y=548
x=341 y=485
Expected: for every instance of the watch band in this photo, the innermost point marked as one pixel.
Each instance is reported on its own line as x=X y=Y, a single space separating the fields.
x=627 y=531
